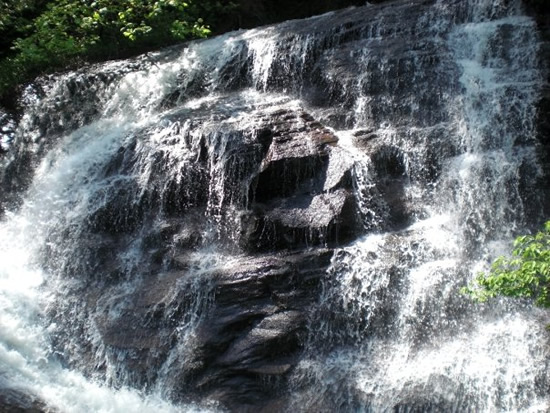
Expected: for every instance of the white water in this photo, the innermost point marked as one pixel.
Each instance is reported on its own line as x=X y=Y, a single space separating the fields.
x=62 y=192
x=407 y=337
x=67 y=187
x=28 y=363
x=413 y=342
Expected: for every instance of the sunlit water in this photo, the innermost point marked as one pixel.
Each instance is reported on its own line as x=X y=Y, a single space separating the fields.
x=391 y=330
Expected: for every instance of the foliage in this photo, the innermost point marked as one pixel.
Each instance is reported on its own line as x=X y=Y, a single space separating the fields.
x=526 y=274
x=42 y=36
x=58 y=33
x=11 y=13
x=16 y=20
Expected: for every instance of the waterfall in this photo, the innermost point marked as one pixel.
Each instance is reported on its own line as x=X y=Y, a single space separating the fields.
x=390 y=330
x=279 y=218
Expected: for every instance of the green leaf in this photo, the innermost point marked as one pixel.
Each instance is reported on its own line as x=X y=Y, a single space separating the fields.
x=526 y=275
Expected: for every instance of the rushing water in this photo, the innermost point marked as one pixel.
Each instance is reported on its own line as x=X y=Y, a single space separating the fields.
x=433 y=103
x=390 y=330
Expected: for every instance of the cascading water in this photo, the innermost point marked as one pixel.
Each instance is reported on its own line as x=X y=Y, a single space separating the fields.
x=390 y=331
x=169 y=220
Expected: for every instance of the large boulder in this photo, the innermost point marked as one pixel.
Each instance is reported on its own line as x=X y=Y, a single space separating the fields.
x=303 y=192
x=244 y=330
x=204 y=278
x=20 y=401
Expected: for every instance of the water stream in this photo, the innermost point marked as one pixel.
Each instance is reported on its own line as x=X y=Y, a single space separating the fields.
x=113 y=170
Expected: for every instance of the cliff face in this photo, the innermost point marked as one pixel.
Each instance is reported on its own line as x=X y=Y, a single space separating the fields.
x=275 y=219
x=541 y=13
x=234 y=317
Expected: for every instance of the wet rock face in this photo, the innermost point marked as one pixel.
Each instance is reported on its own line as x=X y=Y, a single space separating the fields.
x=286 y=174
x=270 y=196
x=232 y=333
x=15 y=401
x=252 y=337
x=541 y=12
x=194 y=246
x=302 y=194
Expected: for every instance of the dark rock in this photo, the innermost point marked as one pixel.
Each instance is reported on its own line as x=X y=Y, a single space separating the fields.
x=540 y=10
x=209 y=232
x=267 y=336
x=325 y=218
x=251 y=331
x=297 y=151
x=19 y=401
x=302 y=196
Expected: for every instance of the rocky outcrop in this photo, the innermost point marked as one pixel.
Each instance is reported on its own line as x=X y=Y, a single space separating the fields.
x=302 y=193
x=540 y=11
x=253 y=334
x=229 y=324
x=19 y=401
x=187 y=250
